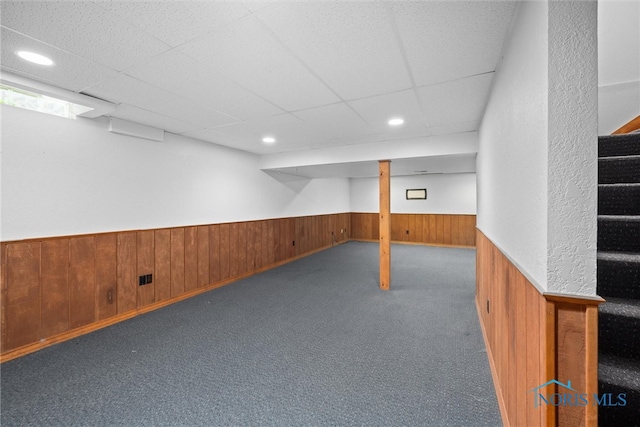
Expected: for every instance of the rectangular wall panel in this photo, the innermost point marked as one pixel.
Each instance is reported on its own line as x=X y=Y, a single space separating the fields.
x=127 y=269
x=223 y=249
x=82 y=284
x=23 y=294
x=145 y=265
x=242 y=248
x=3 y=297
x=106 y=276
x=190 y=258
x=54 y=282
x=162 y=264
x=203 y=256
x=214 y=253
x=177 y=261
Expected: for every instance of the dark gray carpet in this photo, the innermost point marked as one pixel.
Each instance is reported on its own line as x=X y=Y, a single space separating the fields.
x=311 y=343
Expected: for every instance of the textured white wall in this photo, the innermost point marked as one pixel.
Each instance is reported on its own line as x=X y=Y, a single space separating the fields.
x=512 y=158
x=537 y=162
x=573 y=147
x=64 y=177
x=618 y=63
x=447 y=193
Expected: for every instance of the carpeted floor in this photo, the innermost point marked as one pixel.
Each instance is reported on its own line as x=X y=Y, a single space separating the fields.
x=311 y=343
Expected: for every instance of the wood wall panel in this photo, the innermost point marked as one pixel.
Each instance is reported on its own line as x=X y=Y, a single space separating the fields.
x=223 y=249
x=532 y=338
x=177 y=261
x=203 y=256
x=3 y=297
x=54 y=277
x=145 y=252
x=214 y=253
x=432 y=229
x=162 y=275
x=57 y=288
x=23 y=294
x=106 y=276
x=82 y=286
x=190 y=258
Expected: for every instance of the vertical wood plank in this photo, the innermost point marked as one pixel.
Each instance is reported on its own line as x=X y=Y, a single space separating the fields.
x=533 y=377
x=146 y=263
x=214 y=253
x=23 y=294
x=162 y=275
x=433 y=229
x=439 y=229
x=177 y=261
x=265 y=243
x=242 y=247
x=190 y=258
x=82 y=283
x=385 y=224
x=257 y=243
x=3 y=297
x=446 y=233
x=521 y=349
x=106 y=276
x=127 y=279
x=203 y=256
x=275 y=239
x=234 y=248
x=54 y=277
x=223 y=249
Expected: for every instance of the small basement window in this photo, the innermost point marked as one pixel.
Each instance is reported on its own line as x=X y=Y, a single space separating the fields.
x=37 y=102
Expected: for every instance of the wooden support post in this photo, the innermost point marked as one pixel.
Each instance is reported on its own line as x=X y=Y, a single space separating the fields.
x=385 y=225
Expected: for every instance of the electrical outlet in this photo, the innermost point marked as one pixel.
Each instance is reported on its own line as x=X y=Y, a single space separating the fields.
x=149 y=278
x=143 y=280
x=487 y=305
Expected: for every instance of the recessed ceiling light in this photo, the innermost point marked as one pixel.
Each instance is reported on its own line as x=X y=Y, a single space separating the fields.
x=396 y=122
x=36 y=58
x=268 y=140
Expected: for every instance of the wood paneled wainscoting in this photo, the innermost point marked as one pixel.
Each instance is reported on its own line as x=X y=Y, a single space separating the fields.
x=430 y=229
x=533 y=338
x=58 y=288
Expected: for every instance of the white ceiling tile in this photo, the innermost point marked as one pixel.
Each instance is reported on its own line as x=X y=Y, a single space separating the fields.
x=203 y=85
x=454 y=128
x=458 y=101
x=175 y=22
x=378 y=110
x=125 y=89
x=247 y=54
x=93 y=33
x=138 y=115
x=351 y=46
x=449 y=40
x=288 y=130
x=70 y=72
x=336 y=120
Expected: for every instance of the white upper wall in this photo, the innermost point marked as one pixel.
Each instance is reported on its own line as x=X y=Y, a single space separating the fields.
x=512 y=157
x=618 y=63
x=65 y=177
x=446 y=194
x=537 y=162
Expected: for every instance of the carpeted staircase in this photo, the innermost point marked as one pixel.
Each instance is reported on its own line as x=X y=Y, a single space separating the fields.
x=619 y=276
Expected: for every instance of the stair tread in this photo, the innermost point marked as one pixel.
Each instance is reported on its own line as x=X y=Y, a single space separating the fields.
x=619 y=371
x=619 y=256
x=621 y=307
x=620 y=217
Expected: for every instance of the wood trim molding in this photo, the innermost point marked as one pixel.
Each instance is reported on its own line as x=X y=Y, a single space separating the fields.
x=385 y=224
x=632 y=126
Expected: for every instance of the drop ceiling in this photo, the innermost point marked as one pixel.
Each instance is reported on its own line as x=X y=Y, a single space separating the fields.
x=314 y=75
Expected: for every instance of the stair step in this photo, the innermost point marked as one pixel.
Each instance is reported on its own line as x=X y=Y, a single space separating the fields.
x=619 y=233
x=619 y=275
x=619 y=328
x=619 y=145
x=615 y=170
x=619 y=375
x=619 y=199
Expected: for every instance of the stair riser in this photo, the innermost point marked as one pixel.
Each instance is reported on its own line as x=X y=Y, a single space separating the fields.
x=619 y=200
x=618 y=279
x=618 y=236
x=617 y=416
x=619 y=145
x=619 y=170
x=617 y=335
